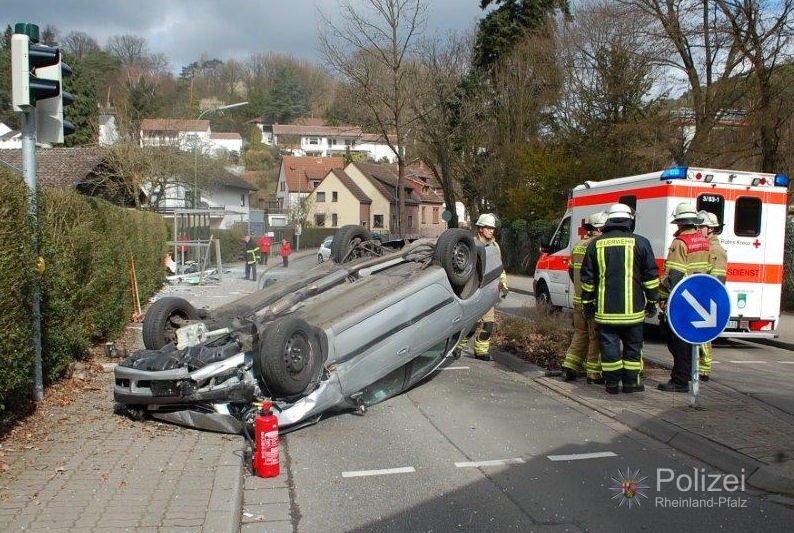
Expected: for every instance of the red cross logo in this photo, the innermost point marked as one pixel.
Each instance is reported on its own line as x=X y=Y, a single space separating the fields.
x=757 y=243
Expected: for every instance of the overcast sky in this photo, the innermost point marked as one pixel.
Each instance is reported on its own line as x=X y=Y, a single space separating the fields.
x=223 y=29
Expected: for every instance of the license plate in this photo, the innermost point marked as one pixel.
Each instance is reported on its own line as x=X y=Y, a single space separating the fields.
x=732 y=324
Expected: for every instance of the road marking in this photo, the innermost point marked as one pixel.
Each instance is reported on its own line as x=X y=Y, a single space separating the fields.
x=786 y=362
x=578 y=456
x=456 y=368
x=384 y=472
x=748 y=362
x=493 y=462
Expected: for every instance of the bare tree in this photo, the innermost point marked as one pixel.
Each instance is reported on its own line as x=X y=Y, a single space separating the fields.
x=371 y=49
x=80 y=44
x=762 y=34
x=131 y=50
x=694 y=39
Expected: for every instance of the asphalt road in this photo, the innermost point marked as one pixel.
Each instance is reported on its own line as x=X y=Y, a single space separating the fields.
x=482 y=448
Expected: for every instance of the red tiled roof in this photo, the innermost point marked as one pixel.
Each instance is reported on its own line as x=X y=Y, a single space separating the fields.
x=347 y=181
x=233 y=136
x=317 y=131
x=60 y=167
x=299 y=170
x=384 y=179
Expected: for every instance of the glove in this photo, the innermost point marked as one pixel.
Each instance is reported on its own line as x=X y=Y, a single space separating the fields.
x=503 y=289
x=650 y=309
x=588 y=311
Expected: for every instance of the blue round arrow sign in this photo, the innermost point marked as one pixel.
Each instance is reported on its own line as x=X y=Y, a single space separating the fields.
x=698 y=308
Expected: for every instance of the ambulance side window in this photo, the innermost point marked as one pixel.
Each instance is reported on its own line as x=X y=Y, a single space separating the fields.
x=561 y=237
x=747 y=222
x=630 y=201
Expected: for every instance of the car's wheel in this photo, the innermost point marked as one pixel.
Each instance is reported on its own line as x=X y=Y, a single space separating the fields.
x=343 y=249
x=163 y=318
x=457 y=254
x=289 y=356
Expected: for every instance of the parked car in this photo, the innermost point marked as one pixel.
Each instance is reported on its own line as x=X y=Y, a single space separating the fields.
x=378 y=319
x=324 y=252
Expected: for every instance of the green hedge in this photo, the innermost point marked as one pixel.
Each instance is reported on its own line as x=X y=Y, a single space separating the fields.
x=87 y=246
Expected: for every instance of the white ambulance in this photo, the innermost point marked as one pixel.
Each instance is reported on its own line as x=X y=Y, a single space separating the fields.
x=752 y=207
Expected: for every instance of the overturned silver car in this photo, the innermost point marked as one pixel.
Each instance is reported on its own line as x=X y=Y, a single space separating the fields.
x=373 y=322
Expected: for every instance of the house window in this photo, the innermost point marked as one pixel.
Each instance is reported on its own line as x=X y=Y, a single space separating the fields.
x=242 y=200
x=436 y=210
x=320 y=197
x=334 y=220
x=332 y=141
x=282 y=186
x=334 y=196
x=313 y=140
x=424 y=215
x=377 y=221
x=410 y=221
x=319 y=220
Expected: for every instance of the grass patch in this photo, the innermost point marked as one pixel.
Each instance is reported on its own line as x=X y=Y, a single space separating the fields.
x=539 y=335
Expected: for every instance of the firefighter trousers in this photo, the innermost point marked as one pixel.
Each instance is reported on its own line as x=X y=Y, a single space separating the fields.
x=584 y=344
x=621 y=353
x=705 y=353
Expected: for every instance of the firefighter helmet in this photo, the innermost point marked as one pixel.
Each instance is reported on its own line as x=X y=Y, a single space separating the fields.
x=597 y=220
x=620 y=211
x=487 y=220
x=710 y=219
x=685 y=214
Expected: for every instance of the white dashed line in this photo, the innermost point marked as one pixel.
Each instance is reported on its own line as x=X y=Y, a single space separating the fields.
x=786 y=362
x=456 y=368
x=384 y=472
x=748 y=362
x=493 y=462
x=579 y=456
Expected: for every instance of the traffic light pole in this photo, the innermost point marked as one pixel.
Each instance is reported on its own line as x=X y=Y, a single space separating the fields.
x=29 y=173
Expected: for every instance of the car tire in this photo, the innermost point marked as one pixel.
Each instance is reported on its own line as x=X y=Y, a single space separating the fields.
x=543 y=297
x=289 y=356
x=457 y=254
x=347 y=238
x=163 y=318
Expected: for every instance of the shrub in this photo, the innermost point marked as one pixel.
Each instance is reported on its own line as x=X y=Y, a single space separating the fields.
x=540 y=336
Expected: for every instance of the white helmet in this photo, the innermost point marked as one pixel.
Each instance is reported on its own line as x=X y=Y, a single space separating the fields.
x=486 y=219
x=597 y=220
x=685 y=214
x=619 y=211
x=710 y=219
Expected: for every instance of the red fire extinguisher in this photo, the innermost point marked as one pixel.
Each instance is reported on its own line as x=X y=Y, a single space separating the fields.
x=266 y=460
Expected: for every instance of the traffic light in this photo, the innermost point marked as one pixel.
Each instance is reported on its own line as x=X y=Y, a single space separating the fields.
x=37 y=82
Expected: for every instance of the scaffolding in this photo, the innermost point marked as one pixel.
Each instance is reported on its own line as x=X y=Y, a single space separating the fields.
x=193 y=243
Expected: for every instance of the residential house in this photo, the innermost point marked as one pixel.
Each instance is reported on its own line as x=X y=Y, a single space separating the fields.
x=187 y=135
x=226 y=144
x=10 y=139
x=424 y=174
x=337 y=201
x=313 y=138
x=298 y=177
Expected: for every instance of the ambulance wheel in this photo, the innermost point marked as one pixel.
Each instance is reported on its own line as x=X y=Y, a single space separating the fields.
x=543 y=297
x=163 y=318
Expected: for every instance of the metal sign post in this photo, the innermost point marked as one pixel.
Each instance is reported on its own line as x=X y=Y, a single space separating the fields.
x=699 y=309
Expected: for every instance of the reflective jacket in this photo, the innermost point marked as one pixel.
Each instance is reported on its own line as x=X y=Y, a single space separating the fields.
x=575 y=267
x=619 y=276
x=689 y=254
x=718 y=257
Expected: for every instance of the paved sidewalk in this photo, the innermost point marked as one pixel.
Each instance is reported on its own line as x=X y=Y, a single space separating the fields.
x=728 y=429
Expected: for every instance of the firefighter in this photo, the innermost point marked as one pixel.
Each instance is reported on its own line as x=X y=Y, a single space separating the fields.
x=718 y=257
x=620 y=284
x=585 y=338
x=688 y=254
x=251 y=257
x=486 y=226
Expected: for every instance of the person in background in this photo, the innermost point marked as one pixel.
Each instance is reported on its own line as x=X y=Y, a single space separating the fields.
x=265 y=242
x=584 y=343
x=718 y=257
x=284 y=251
x=251 y=257
x=620 y=288
x=486 y=226
x=688 y=254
